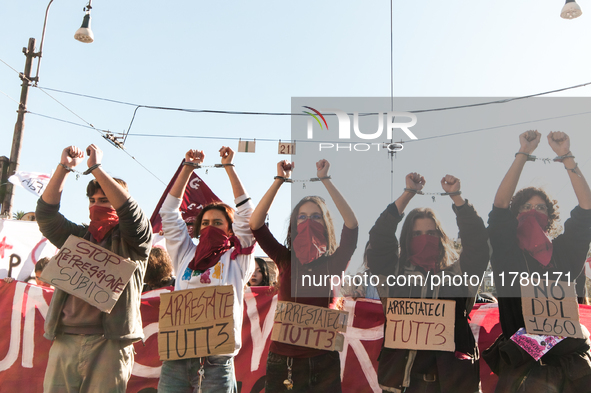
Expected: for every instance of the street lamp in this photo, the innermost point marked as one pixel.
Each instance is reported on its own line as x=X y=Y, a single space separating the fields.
x=571 y=10
x=85 y=35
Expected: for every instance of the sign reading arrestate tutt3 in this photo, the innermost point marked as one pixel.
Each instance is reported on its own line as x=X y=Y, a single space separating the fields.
x=196 y=323
x=89 y=272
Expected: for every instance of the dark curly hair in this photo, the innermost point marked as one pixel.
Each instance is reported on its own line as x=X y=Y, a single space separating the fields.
x=522 y=196
x=159 y=268
x=41 y=263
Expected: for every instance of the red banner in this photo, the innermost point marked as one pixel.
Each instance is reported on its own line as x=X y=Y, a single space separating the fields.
x=23 y=350
x=197 y=195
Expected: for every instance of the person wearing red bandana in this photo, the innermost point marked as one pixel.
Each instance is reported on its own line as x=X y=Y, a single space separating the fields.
x=519 y=229
x=426 y=251
x=78 y=329
x=311 y=249
x=222 y=256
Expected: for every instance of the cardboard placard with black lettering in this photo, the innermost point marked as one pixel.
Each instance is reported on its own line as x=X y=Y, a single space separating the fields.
x=89 y=272
x=196 y=322
x=551 y=308
x=421 y=324
x=309 y=326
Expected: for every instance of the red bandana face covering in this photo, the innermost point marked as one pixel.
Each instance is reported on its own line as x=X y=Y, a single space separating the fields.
x=213 y=243
x=424 y=252
x=102 y=220
x=532 y=237
x=310 y=243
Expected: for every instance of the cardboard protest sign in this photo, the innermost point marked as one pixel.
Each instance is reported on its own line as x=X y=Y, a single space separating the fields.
x=422 y=324
x=551 y=308
x=309 y=326
x=89 y=272
x=196 y=322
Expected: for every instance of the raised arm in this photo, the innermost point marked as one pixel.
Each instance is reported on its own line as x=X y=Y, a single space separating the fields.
x=475 y=252
x=116 y=194
x=529 y=140
x=382 y=250
x=560 y=143
x=227 y=155
x=71 y=156
x=322 y=167
x=192 y=159
x=52 y=224
x=414 y=183
x=451 y=185
x=257 y=220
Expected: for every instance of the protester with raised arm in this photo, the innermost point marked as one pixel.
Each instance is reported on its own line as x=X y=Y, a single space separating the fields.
x=311 y=242
x=78 y=329
x=519 y=224
x=223 y=256
x=426 y=251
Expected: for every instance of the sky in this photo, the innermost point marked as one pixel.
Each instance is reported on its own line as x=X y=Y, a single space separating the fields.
x=256 y=56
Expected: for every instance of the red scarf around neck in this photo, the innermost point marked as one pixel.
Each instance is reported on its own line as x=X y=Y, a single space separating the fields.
x=213 y=243
x=424 y=252
x=532 y=235
x=102 y=220
x=310 y=243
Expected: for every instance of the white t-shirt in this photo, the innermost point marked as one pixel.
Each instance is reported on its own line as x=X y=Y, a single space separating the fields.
x=181 y=248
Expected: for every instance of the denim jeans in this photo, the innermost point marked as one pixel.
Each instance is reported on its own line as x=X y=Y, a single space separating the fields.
x=320 y=374
x=182 y=376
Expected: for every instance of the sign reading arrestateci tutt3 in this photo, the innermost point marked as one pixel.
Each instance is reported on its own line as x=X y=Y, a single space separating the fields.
x=423 y=324
x=309 y=326
x=89 y=272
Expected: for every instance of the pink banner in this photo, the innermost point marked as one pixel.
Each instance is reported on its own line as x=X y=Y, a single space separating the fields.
x=23 y=350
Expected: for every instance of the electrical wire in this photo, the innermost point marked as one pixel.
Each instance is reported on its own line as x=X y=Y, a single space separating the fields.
x=71 y=111
x=226 y=112
x=324 y=141
x=495 y=127
x=256 y=113
x=8 y=65
x=18 y=103
x=101 y=131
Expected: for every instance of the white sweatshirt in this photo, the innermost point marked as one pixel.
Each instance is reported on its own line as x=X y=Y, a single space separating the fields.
x=236 y=272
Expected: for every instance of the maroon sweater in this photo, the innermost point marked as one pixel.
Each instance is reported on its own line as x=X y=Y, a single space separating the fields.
x=320 y=296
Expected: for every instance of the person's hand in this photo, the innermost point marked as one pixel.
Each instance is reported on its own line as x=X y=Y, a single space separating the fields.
x=322 y=167
x=95 y=155
x=415 y=181
x=71 y=156
x=195 y=156
x=284 y=168
x=227 y=155
x=559 y=142
x=529 y=140
x=8 y=280
x=450 y=184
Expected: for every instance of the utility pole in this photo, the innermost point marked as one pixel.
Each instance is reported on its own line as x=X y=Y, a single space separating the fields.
x=19 y=127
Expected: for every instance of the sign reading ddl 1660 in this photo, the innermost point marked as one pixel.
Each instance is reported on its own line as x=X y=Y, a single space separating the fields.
x=388 y=121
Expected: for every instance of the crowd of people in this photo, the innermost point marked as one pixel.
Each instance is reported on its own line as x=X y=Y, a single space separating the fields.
x=219 y=251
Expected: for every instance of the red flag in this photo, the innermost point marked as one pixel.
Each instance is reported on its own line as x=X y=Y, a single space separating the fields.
x=197 y=196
